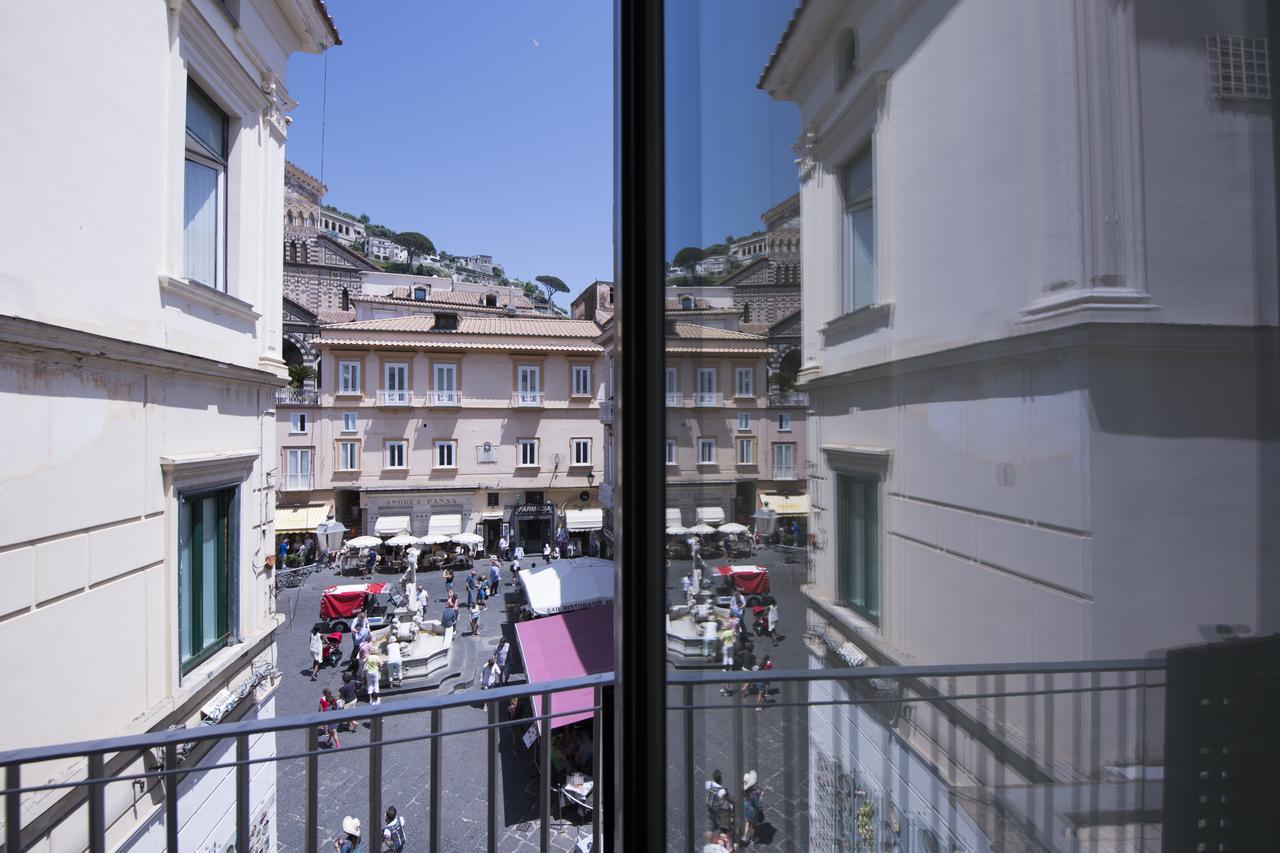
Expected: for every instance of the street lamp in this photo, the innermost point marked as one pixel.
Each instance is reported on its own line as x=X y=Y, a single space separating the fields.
x=591 y=478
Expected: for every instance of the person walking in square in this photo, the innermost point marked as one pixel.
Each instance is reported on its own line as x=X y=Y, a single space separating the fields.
x=471 y=588
x=752 y=807
x=317 y=652
x=495 y=577
x=502 y=547
x=772 y=622
x=350 y=840
x=393 y=839
x=373 y=675
x=394 y=663
x=474 y=613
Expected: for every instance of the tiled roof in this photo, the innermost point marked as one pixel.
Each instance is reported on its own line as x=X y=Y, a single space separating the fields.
x=741 y=350
x=694 y=332
x=782 y=42
x=326 y=316
x=446 y=297
x=523 y=326
x=445 y=343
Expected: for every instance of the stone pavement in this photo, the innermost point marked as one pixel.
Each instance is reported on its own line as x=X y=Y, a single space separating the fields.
x=344 y=772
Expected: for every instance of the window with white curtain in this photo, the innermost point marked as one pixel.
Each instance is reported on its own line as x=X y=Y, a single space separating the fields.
x=857 y=179
x=348 y=456
x=581 y=451
x=204 y=223
x=348 y=377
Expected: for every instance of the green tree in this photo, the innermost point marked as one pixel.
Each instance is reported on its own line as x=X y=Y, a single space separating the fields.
x=716 y=249
x=688 y=256
x=417 y=243
x=552 y=284
x=300 y=373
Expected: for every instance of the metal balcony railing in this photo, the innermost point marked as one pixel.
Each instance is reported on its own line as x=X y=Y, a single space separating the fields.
x=444 y=398
x=162 y=774
x=675 y=398
x=789 y=398
x=708 y=399
x=784 y=472
x=296 y=396
x=527 y=399
x=393 y=398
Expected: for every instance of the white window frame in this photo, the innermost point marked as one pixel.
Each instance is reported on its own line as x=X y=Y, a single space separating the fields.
x=445 y=449
x=395 y=368
x=744 y=421
x=198 y=153
x=297 y=477
x=671 y=452
x=298 y=423
x=859 y=208
x=387 y=455
x=747 y=444
x=527 y=460
x=704 y=457
x=708 y=371
x=784 y=422
x=350 y=422
x=442 y=370
x=581 y=372
x=345 y=448
x=349 y=377
x=743 y=381
x=579 y=451
x=529 y=378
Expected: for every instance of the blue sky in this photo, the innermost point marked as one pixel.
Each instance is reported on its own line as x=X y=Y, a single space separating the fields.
x=447 y=118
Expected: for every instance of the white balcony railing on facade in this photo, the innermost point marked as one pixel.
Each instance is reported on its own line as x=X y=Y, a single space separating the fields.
x=674 y=398
x=784 y=472
x=789 y=398
x=296 y=483
x=527 y=399
x=708 y=399
x=393 y=398
x=296 y=396
x=444 y=398
x=606 y=412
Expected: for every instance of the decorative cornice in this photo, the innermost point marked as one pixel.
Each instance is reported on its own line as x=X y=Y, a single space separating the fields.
x=196 y=464
x=20 y=331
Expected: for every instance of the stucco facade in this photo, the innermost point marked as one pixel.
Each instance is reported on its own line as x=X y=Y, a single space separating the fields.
x=139 y=397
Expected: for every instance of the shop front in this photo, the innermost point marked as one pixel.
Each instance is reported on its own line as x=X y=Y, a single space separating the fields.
x=532 y=526
x=417 y=513
x=582 y=529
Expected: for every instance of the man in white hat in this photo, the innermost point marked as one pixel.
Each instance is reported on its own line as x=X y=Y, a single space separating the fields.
x=350 y=842
x=752 y=808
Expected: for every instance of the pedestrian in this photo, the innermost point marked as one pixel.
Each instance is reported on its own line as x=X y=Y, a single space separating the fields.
x=317 y=651
x=515 y=570
x=555 y=553
x=423 y=599
x=761 y=688
x=686 y=583
x=449 y=617
x=519 y=553
x=373 y=675
x=513 y=713
x=772 y=620
x=716 y=798
x=370 y=562
x=474 y=613
x=329 y=703
x=347 y=698
x=471 y=588
x=737 y=604
x=359 y=632
x=502 y=547
x=395 y=674
x=488 y=674
x=283 y=551
x=452 y=599
x=448 y=578
x=718 y=842
x=495 y=578
x=393 y=833
x=752 y=807
x=482 y=595
x=350 y=842
x=546 y=551
x=502 y=653
x=726 y=647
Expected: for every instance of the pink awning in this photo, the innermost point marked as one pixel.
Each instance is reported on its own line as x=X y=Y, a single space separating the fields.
x=565 y=646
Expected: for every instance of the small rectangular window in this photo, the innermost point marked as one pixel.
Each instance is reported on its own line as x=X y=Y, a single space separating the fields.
x=348 y=421
x=784 y=422
x=671 y=452
x=446 y=454
x=706 y=451
x=298 y=422
x=493 y=499
x=528 y=448
x=858 y=544
x=348 y=377
x=581 y=380
x=743 y=377
x=348 y=456
x=746 y=451
x=396 y=453
x=204 y=572
x=581 y=451
x=744 y=421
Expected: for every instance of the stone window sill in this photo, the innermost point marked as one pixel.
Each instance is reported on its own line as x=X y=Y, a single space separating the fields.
x=859 y=321
x=210 y=298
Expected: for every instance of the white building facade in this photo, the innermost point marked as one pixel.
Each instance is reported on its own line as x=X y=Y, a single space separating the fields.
x=140 y=363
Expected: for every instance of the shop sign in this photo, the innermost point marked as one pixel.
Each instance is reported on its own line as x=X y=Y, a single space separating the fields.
x=527 y=510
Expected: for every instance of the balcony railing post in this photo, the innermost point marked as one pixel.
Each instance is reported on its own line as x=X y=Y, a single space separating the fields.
x=544 y=789
x=434 y=817
x=313 y=789
x=13 y=808
x=375 y=781
x=690 y=802
x=97 y=805
x=242 y=792
x=491 y=808
x=597 y=763
x=739 y=767
x=171 y=797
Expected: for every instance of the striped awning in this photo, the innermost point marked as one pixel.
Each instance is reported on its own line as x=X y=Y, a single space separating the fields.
x=301 y=519
x=711 y=514
x=787 y=504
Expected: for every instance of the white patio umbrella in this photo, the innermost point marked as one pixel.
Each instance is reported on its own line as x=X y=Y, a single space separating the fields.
x=467 y=539
x=677 y=530
x=702 y=529
x=364 y=542
x=733 y=527
x=433 y=539
x=403 y=539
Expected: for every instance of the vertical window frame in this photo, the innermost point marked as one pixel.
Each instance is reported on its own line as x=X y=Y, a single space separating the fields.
x=198 y=151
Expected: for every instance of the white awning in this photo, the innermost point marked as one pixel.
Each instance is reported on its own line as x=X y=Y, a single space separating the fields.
x=301 y=519
x=491 y=515
x=445 y=523
x=583 y=519
x=568 y=585
x=673 y=518
x=390 y=525
x=786 y=504
x=711 y=514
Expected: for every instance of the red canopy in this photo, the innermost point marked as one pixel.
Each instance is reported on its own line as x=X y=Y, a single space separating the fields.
x=564 y=646
x=751 y=580
x=340 y=602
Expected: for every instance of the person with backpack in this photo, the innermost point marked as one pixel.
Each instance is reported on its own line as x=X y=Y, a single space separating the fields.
x=393 y=833
x=752 y=807
x=719 y=805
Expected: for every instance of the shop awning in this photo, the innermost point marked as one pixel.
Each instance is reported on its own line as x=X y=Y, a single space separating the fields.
x=567 y=646
x=673 y=518
x=711 y=514
x=491 y=515
x=787 y=504
x=583 y=519
x=565 y=585
x=445 y=523
x=301 y=519
x=390 y=525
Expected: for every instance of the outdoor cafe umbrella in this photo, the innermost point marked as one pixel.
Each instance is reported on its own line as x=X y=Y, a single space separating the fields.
x=402 y=539
x=433 y=539
x=702 y=529
x=677 y=530
x=467 y=539
x=733 y=527
x=364 y=542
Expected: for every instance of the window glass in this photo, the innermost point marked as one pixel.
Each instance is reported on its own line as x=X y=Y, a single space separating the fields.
x=706 y=451
x=206 y=123
x=859 y=233
x=347 y=455
x=349 y=377
x=581 y=380
x=858 y=549
x=204 y=556
x=201 y=196
x=746 y=451
x=348 y=421
x=671 y=452
x=395 y=454
x=743 y=381
x=784 y=422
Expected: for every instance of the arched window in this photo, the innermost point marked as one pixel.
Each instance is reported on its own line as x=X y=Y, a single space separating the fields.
x=305 y=253
x=311 y=220
x=686 y=303
x=288 y=217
